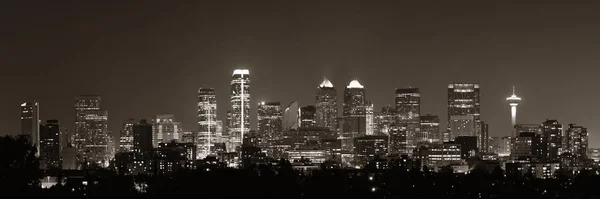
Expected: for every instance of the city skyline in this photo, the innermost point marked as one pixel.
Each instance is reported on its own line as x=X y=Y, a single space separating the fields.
x=279 y=74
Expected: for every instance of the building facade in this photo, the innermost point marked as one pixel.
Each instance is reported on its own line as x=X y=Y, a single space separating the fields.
x=30 y=123
x=552 y=132
x=308 y=116
x=165 y=129
x=126 y=136
x=577 y=141
x=269 y=123
x=430 y=129
x=240 y=107
x=207 y=122
x=91 y=130
x=50 y=144
x=326 y=106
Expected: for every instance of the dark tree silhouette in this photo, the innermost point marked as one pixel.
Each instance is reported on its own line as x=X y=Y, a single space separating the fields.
x=19 y=169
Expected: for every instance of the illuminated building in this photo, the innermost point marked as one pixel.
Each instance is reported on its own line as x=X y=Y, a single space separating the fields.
x=291 y=117
x=171 y=157
x=308 y=116
x=188 y=137
x=315 y=156
x=30 y=123
x=207 y=122
x=552 y=133
x=398 y=141
x=513 y=101
x=142 y=137
x=463 y=99
x=351 y=127
x=483 y=138
x=594 y=154
x=126 y=137
x=462 y=125
x=527 y=128
x=240 y=107
x=577 y=141
x=50 y=144
x=353 y=122
x=326 y=106
x=527 y=144
x=69 y=158
x=269 y=123
x=354 y=99
x=505 y=145
x=408 y=108
x=369 y=147
x=383 y=120
x=91 y=130
x=430 y=129
x=539 y=170
x=308 y=138
x=369 y=119
x=165 y=129
x=438 y=155
x=468 y=146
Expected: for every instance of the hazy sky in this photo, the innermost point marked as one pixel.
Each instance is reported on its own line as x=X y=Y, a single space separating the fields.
x=150 y=57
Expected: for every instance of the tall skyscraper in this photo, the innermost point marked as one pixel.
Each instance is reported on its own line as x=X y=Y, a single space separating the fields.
x=269 y=123
x=326 y=105
x=142 y=136
x=462 y=125
x=513 y=101
x=207 y=122
x=369 y=119
x=430 y=129
x=577 y=141
x=50 y=144
x=240 y=106
x=308 y=116
x=91 y=130
x=354 y=99
x=408 y=108
x=291 y=117
x=30 y=123
x=463 y=99
x=483 y=136
x=126 y=136
x=398 y=140
x=165 y=129
x=552 y=133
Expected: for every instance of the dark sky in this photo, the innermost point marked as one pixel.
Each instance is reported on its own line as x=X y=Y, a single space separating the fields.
x=147 y=57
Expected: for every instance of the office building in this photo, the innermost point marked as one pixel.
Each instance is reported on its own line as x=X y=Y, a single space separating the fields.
x=577 y=141
x=126 y=136
x=463 y=99
x=291 y=117
x=30 y=123
x=69 y=158
x=552 y=132
x=91 y=130
x=165 y=129
x=462 y=125
x=483 y=137
x=527 y=128
x=441 y=154
x=240 y=107
x=269 y=123
x=429 y=130
x=369 y=147
x=207 y=122
x=308 y=116
x=398 y=141
x=408 y=110
x=468 y=146
x=354 y=99
x=326 y=106
x=143 y=137
x=50 y=144
x=383 y=120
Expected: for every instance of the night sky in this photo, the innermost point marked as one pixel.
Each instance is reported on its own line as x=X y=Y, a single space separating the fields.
x=146 y=57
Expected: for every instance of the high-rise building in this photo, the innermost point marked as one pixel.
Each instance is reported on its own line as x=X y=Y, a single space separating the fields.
x=291 y=117
x=354 y=99
x=462 y=125
x=527 y=128
x=398 y=143
x=408 y=105
x=326 y=105
x=126 y=136
x=468 y=146
x=207 y=122
x=577 y=141
x=513 y=101
x=552 y=132
x=240 y=107
x=165 y=129
x=430 y=129
x=369 y=147
x=308 y=116
x=463 y=99
x=269 y=123
x=50 y=144
x=525 y=145
x=501 y=145
x=483 y=137
x=142 y=137
x=91 y=130
x=369 y=119
x=383 y=120
x=30 y=122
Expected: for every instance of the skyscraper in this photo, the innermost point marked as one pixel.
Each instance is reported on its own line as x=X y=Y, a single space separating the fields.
x=30 y=122
x=308 y=116
x=165 y=129
x=462 y=125
x=577 y=141
x=408 y=108
x=269 y=123
x=126 y=136
x=463 y=99
x=326 y=106
x=483 y=137
x=91 y=130
x=552 y=133
x=50 y=144
x=354 y=99
x=527 y=128
x=240 y=106
x=430 y=129
x=142 y=137
x=207 y=122
x=291 y=117
x=383 y=120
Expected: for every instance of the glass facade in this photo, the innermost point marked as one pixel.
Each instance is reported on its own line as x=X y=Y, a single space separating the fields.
x=240 y=107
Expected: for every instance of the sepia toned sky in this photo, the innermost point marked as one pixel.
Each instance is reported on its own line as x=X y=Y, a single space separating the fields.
x=150 y=57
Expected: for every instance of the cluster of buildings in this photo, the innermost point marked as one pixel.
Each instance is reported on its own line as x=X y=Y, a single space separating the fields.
x=310 y=136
